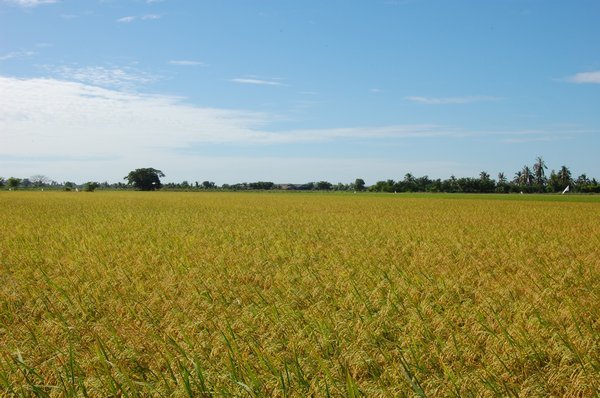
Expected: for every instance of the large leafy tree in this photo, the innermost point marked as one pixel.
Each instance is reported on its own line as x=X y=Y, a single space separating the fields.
x=359 y=184
x=146 y=179
x=90 y=186
x=13 y=182
x=323 y=185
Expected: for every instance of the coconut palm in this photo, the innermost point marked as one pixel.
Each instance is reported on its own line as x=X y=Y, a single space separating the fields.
x=518 y=178
x=564 y=176
x=538 y=171
x=526 y=176
x=502 y=178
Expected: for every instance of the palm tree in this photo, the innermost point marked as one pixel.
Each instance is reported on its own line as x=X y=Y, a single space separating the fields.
x=518 y=178
x=502 y=178
x=553 y=183
x=502 y=185
x=564 y=176
x=538 y=171
x=526 y=176
x=409 y=182
x=583 y=180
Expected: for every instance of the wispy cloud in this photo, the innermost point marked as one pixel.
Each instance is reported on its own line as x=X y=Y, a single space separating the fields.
x=547 y=134
x=50 y=118
x=257 y=82
x=64 y=117
x=525 y=140
x=127 y=19
x=16 y=54
x=30 y=3
x=112 y=77
x=132 y=18
x=450 y=100
x=361 y=133
x=120 y=130
x=57 y=105
x=585 y=78
x=186 y=63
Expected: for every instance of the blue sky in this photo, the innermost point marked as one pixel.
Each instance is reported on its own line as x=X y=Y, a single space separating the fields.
x=296 y=91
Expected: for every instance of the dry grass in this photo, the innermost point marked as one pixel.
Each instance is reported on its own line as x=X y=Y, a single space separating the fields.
x=138 y=294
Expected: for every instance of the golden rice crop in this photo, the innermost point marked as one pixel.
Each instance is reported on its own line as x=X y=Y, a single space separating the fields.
x=249 y=294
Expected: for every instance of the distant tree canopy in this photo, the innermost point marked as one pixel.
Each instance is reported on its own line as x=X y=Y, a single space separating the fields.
x=533 y=178
x=529 y=179
x=90 y=186
x=359 y=184
x=39 y=180
x=146 y=179
x=13 y=182
x=266 y=185
x=323 y=186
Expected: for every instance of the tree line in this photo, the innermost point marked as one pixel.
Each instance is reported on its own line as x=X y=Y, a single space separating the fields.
x=529 y=179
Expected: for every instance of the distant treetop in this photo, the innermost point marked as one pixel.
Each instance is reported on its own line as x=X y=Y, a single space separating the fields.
x=146 y=179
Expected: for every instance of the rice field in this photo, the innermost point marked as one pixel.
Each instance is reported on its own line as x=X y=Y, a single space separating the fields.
x=294 y=295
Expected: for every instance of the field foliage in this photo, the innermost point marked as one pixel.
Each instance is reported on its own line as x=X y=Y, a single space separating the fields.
x=248 y=294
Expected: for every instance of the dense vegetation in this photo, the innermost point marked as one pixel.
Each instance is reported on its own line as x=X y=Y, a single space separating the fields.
x=127 y=294
x=527 y=180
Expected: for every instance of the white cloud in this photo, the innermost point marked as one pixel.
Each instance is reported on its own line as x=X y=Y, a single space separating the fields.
x=186 y=63
x=127 y=19
x=359 y=133
x=132 y=18
x=71 y=123
x=30 y=3
x=16 y=54
x=450 y=100
x=73 y=130
x=585 y=78
x=525 y=140
x=257 y=82
x=123 y=77
x=44 y=108
x=550 y=134
x=48 y=117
